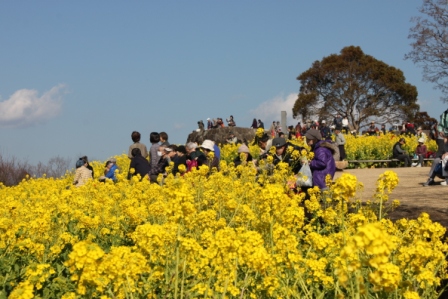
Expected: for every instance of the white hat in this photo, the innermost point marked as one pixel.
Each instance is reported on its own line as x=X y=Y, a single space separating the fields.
x=323 y=121
x=422 y=140
x=208 y=118
x=208 y=144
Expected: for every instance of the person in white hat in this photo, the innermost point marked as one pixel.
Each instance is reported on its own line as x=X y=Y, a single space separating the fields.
x=208 y=147
x=420 y=151
x=421 y=134
x=209 y=123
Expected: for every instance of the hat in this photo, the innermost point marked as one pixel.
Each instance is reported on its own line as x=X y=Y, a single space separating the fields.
x=113 y=160
x=372 y=122
x=419 y=128
x=167 y=149
x=313 y=134
x=278 y=142
x=208 y=118
x=208 y=144
x=421 y=140
x=323 y=121
x=243 y=149
x=182 y=149
x=80 y=163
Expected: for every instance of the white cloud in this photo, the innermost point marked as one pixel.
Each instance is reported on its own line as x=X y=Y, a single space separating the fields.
x=25 y=107
x=271 y=110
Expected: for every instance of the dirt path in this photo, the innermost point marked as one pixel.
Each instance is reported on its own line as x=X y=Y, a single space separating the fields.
x=414 y=198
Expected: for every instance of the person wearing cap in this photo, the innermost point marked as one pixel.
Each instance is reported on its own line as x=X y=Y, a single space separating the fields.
x=243 y=155
x=136 y=139
x=323 y=163
x=399 y=153
x=421 y=152
x=139 y=164
x=282 y=154
x=208 y=147
x=421 y=134
x=82 y=174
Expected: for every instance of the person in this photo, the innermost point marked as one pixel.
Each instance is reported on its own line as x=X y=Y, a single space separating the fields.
x=254 y=124
x=372 y=129
x=209 y=124
x=272 y=129
x=399 y=153
x=439 y=167
x=291 y=132
x=244 y=155
x=345 y=124
x=164 y=139
x=298 y=129
x=111 y=167
x=409 y=129
x=265 y=143
x=260 y=124
x=337 y=122
x=82 y=174
x=421 y=152
x=200 y=126
x=232 y=138
x=220 y=123
x=162 y=163
x=89 y=167
x=340 y=142
x=323 y=163
x=283 y=152
x=231 y=121
x=154 y=138
x=208 y=147
x=325 y=130
x=139 y=163
x=421 y=134
x=195 y=157
x=135 y=136
x=181 y=159
x=383 y=129
x=278 y=127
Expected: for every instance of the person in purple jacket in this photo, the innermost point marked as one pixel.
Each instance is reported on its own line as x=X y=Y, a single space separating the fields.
x=323 y=162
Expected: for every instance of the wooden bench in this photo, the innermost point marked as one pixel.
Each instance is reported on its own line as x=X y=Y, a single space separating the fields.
x=387 y=162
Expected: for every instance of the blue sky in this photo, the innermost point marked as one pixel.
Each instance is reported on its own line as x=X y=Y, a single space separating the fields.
x=77 y=77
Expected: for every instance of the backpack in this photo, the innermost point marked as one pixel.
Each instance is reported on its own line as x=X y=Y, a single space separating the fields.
x=443 y=124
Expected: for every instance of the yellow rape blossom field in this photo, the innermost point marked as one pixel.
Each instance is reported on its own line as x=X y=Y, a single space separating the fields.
x=236 y=233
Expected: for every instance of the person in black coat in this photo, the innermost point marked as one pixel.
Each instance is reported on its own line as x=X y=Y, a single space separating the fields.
x=140 y=164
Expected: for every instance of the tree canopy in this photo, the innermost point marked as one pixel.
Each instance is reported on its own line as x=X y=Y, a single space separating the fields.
x=430 y=43
x=355 y=85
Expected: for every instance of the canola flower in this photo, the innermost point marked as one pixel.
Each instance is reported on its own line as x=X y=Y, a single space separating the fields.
x=236 y=233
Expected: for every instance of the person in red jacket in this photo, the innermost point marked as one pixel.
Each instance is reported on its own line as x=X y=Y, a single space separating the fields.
x=420 y=151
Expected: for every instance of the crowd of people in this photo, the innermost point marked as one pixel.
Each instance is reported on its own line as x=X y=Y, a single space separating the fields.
x=327 y=143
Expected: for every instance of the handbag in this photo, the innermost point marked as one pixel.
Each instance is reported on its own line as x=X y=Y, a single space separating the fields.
x=305 y=178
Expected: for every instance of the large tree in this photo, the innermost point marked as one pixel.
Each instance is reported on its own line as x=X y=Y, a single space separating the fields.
x=430 y=43
x=355 y=85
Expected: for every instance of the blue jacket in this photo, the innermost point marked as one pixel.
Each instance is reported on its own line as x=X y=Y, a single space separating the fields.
x=111 y=173
x=322 y=164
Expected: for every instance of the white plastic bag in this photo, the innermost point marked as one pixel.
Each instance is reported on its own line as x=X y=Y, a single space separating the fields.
x=305 y=178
